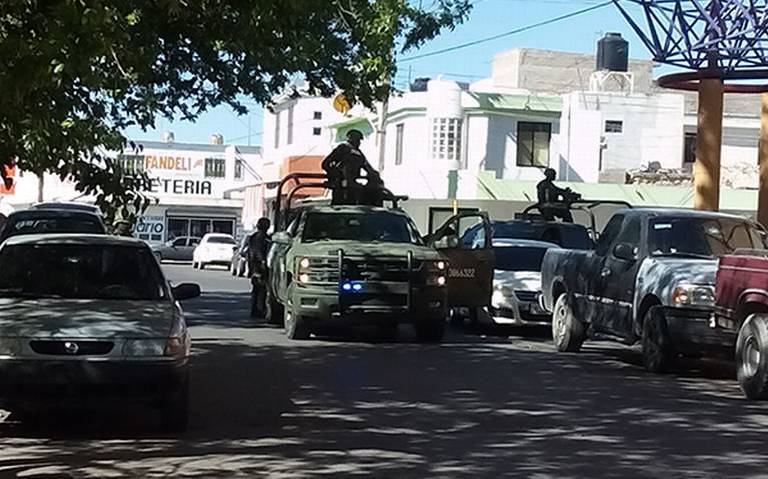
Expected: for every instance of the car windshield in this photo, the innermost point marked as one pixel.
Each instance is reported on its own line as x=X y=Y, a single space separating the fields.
x=709 y=237
x=57 y=224
x=79 y=272
x=366 y=227
x=221 y=239
x=518 y=258
x=567 y=236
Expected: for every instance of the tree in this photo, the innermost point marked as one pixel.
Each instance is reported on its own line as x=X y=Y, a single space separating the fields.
x=75 y=73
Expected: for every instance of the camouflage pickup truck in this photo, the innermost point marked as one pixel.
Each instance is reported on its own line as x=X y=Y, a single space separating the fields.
x=363 y=264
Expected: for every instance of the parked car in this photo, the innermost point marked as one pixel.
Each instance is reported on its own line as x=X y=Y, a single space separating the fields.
x=650 y=278
x=91 y=314
x=741 y=292
x=516 y=284
x=214 y=248
x=177 y=249
x=239 y=263
x=44 y=221
x=70 y=206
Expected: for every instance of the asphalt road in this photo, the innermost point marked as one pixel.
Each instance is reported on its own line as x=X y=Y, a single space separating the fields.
x=478 y=405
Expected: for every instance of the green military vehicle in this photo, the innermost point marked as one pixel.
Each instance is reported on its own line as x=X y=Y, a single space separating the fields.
x=368 y=264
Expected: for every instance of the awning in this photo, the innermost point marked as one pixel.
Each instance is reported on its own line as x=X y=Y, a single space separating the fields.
x=489 y=187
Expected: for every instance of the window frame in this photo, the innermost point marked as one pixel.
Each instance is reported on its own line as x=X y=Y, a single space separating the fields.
x=613 y=127
x=530 y=162
x=215 y=167
x=399 y=135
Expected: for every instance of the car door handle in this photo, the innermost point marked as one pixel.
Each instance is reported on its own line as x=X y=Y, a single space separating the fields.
x=605 y=273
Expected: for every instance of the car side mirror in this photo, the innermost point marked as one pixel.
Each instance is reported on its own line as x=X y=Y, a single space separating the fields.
x=281 y=237
x=186 y=291
x=625 y=251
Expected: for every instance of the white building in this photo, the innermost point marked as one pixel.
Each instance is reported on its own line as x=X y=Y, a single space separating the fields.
x=196 y=188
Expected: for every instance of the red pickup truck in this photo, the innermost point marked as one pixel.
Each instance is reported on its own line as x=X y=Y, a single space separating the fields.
x=741 y=293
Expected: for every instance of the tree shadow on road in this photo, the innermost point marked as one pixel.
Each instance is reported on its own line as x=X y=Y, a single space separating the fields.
x=466 y=408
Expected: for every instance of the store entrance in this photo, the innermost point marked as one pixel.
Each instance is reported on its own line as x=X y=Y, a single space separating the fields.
x=198 y=227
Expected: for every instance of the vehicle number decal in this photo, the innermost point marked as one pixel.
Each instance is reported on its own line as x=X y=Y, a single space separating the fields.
x=461 y=273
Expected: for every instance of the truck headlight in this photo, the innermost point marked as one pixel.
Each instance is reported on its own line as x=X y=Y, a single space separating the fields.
x=436 y=266
x=304 y=263
x=693 y=295
x=436 y=280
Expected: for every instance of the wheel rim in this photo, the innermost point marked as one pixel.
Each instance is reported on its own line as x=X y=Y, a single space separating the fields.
x=751 y=357
x=559 y=321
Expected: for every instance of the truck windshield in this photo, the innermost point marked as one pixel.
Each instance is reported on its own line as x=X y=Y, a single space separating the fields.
x=710 y=237
x=366 y=227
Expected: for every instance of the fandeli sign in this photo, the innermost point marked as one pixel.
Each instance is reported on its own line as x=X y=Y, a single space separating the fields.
x=179 y=173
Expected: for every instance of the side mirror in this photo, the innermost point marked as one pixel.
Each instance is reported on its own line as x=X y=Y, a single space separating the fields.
x=281 y=237
x=186 y=291
x=625 y=251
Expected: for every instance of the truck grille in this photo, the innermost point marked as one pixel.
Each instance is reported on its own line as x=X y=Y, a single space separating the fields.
x=326 y=270
x=391 y=270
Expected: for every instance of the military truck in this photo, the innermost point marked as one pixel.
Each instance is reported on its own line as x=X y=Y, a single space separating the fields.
x=355 y=264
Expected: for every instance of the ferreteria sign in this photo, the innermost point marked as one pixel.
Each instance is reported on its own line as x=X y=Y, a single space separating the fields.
x=181 y=187
x=179 y=173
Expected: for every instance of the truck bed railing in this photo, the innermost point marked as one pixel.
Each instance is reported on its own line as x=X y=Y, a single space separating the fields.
x=316 y=180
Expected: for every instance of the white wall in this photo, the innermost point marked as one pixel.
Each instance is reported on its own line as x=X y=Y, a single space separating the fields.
x=652 y=130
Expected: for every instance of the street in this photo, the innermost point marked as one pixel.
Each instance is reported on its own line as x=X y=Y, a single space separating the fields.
x=485 y=404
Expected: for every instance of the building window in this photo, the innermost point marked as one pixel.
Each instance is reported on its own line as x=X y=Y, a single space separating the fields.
x=317 y=131
x=446 y=139
x=289 y=140
x=614 y=126
x=533 y=144
x=131 y=163
x=318 y=115
x=239 y=169
x=399 y=144
x=215 y=167
x=277 y=129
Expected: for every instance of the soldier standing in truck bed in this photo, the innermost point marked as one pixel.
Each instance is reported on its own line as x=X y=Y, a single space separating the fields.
x=343 y=167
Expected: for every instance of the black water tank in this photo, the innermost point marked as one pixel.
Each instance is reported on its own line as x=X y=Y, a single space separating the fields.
x=612 y=53
x=419 y=84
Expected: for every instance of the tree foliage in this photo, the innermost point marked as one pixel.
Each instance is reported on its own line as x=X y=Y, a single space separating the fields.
x=75 y=73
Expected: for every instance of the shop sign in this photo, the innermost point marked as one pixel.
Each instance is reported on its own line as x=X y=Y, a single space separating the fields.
x=150 y=228
x=181 y=187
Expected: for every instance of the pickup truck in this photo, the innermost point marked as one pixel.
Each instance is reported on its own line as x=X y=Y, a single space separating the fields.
x=741 y=292
x=354 y=264
x=650 y=278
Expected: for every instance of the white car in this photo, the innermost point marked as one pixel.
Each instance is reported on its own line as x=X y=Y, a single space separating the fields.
x=214 y=248
x=91 y=315
x=516 y=285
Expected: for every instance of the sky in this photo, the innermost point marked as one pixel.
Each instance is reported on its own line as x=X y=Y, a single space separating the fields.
x=488 y=18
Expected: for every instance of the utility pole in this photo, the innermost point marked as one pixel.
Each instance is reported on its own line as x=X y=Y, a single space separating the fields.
x=40 y=186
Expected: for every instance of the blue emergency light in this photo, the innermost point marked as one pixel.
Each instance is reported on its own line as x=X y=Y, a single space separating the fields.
x=351 y=286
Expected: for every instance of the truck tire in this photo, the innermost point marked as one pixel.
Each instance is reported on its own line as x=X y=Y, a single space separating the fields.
x=568 y=333
x=659 y=354
x=295 y=326
x=274 y=309
x=430 y=331
x=752 y=357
